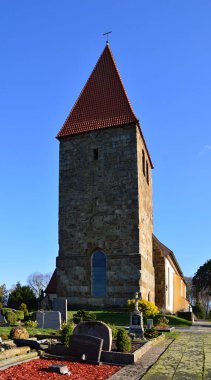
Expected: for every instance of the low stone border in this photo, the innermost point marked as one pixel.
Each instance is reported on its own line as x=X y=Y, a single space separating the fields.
x=111 y=357
x=129 y=358
x=5 y=363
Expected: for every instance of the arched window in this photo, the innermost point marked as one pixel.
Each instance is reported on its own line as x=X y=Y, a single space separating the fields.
x=99 y=274
x=143 y=162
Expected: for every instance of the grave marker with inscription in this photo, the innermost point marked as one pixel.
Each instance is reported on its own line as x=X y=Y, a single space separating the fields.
x=85 y=347
x=49 y=319
x=136 y=320
x=97 y=329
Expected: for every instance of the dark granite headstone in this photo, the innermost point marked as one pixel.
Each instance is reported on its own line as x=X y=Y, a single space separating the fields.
x=98 y=329
x=85 y=347
x=27 y=342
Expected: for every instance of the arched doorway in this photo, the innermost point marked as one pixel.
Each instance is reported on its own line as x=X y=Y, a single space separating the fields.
x=99 y=278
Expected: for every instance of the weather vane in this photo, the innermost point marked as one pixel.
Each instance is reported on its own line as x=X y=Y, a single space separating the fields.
x=106 y=34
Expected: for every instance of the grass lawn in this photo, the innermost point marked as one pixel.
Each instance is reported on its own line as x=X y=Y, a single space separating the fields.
x=31 y=331
x=119 y=318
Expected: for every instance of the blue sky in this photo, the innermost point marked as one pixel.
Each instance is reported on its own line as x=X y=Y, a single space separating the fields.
x=47 y=51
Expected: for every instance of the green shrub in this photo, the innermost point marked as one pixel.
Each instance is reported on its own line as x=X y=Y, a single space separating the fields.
x=19 y=332
x=66 y=331
x=149 y=309
x=123 y=341
x=151 y=333
x=199 y=311
x=19 y=315
x=83 y=315
x=32 y=324
x=163 y=321
x=23 y=307
x=114 y=330
x=11 y=317
x=4 y=310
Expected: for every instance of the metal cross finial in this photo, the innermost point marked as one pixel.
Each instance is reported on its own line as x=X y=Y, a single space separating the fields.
x=106 y=34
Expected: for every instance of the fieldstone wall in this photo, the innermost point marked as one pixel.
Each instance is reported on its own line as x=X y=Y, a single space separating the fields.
x=100 y=204
x=160 y=283
x=147 y=283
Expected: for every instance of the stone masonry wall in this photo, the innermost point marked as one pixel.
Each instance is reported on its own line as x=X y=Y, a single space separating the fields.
x=147 y=281
x=98 y=209
x=160 y=282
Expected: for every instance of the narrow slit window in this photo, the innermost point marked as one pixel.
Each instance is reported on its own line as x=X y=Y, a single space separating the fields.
x=143 y=162
x=147 y=172
x=95 y=154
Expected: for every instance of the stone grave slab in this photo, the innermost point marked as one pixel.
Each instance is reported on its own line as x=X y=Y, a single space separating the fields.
x=49 y=319
x=34 y=344
x=85 y=347
x=97 y=329
x=60 y=304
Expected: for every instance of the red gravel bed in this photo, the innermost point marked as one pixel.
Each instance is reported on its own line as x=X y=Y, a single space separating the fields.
x=37 y=369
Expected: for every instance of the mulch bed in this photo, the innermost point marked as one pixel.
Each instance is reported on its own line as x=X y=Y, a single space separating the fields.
x=37 y=369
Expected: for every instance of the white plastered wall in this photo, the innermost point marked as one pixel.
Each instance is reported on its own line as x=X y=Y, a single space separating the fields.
x=169 y=273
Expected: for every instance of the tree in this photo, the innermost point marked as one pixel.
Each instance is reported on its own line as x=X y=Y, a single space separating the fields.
x=202 y=278
x=22 y=294
x=3 y=295
x=38 y=282
x=190 y=291
x=202 y=284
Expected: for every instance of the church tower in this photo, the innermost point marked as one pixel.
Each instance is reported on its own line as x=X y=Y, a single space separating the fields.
x=105 y=196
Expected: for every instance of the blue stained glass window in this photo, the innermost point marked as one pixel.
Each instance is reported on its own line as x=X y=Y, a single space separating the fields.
x=99 y=274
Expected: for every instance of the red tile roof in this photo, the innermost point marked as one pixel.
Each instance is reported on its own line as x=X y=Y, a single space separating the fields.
x=103 y=101
x=51 y=287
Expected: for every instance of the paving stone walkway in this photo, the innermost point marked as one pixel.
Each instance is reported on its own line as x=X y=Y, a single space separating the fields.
x=137 y=370
x=187 y=357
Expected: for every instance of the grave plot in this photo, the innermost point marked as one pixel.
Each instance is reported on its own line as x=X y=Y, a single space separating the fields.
x=41 y=369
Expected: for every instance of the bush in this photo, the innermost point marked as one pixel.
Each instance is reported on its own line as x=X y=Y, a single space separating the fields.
x=123 y=341
x=163 y=321
x=151 y=333
x=23 y=307
x=66 y=331
x=114 y=330
x=32 y=324
x=199 y=311
x=19 y=332
x=11 y=317
x=149 y=309
x=19 y=315
x=4 y=310
x=83 y=315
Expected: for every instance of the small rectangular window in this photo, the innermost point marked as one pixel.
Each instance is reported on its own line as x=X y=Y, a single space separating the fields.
x=95 y=154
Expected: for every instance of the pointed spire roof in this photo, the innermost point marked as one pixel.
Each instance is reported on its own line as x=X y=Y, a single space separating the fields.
x=103 y=101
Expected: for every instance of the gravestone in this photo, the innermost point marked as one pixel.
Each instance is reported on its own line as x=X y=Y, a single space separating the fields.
x=2 y=318
x=34 y=344
x=49 y=319
x=60 y=304
x=136 y=320
x=85 y=347
x=97 y=329
x=149 y=323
